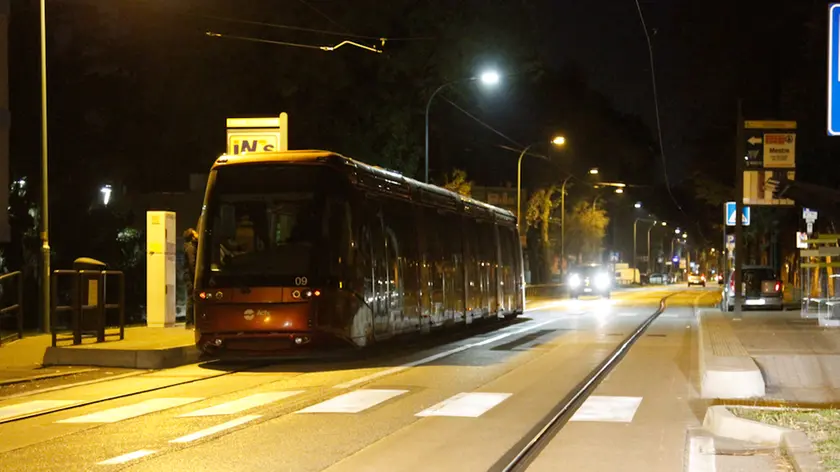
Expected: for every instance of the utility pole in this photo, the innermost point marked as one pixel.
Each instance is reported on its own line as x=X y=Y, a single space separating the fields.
x=739 y=206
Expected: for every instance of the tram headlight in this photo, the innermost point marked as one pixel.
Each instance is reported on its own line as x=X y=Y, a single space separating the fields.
x=574 y=281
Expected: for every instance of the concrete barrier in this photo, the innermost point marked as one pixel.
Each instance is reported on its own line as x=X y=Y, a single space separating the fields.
x=726 y=368
x=796 y=445
x=126 y=358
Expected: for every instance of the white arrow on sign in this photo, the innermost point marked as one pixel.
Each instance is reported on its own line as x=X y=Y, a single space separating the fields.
x=754 y=140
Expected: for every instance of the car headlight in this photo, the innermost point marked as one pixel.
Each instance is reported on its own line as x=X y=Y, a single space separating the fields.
x=574 y=280
x=602 y=281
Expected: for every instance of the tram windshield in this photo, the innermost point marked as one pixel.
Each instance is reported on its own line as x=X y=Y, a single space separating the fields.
x=268 y=221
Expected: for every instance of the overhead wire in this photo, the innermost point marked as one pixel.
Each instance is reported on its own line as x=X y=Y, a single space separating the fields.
x=482 y=123
x=290 y=44
x=657 y=113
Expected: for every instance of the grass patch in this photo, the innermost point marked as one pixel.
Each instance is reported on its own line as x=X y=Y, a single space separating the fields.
x=821 y=426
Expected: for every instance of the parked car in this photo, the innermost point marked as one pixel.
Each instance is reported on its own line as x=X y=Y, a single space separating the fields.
x=696 y=279
x=658 y=279
x=760 y=287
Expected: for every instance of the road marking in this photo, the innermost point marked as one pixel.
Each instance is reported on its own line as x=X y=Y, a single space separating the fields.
x=242 y=404
x=32 y=407
x=467 y=405
x=440 y=355
x=127 y=457
x=354 y=402
x=701 y=454
x=215 y=429
x=668 y=315
x=125 y=412
x=627 y=315
x=613 y=409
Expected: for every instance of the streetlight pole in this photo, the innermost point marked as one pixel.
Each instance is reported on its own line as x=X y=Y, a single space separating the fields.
x=489 y=78
x=45 y=195
x=563 y=221
x=519 y=186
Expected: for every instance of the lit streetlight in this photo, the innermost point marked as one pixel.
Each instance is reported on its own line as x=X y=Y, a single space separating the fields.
x=489 y=78
x=677 y=231
x=557 y=141
x=593 y=171
x=106 y=194
x=638 y=205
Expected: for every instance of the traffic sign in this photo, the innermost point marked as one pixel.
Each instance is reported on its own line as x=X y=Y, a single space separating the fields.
x=730 y=214
x=834 y=70
x=249 y=135
x=780 y=150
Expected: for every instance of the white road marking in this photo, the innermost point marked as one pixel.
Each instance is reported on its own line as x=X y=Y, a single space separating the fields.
x=242 y=404
x=353 y=402
x=127 y=457
x=125 y=412
x=627 y=315
x=440 y=355
x=215 y=429
x=668 y=315
x=32 y=407
x=613 y=409
x=468 y=405
x=701 y=454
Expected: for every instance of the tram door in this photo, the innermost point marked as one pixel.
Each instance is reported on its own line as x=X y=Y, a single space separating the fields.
x=381 y=277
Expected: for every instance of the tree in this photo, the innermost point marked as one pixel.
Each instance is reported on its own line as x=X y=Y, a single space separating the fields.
x=538 y=214
x=585 y=229
x=458 y=183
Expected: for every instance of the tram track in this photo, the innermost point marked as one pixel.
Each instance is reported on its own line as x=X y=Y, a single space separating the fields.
x=484 y=329
x=519 y=457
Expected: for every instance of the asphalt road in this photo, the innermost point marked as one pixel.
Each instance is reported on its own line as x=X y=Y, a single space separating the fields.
x=461 y=405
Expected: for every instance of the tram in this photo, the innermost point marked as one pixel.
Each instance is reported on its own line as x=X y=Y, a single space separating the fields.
x=311 y=249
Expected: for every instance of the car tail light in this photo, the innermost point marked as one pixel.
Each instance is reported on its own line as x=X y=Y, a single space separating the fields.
x=778 y=287
x=732 y=286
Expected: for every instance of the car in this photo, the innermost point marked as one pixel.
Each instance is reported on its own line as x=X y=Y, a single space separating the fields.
x=696 y=279
x=761 y=288
x=658 y=279
x=590 y=280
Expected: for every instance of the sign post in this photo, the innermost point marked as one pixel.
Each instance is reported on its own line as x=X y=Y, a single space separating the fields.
x=764 y=151
x=258 y=134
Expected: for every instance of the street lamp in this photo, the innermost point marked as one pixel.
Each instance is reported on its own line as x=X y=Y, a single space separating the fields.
x=677 y=231
x=648 y=240
x=593 y=171
x=488 y=78
x=638 y=205
x=106 y=194
x=635 y=222
x=557 y=141
x=45 y=195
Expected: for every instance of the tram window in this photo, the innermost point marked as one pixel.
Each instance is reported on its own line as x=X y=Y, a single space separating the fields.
x=269 y=220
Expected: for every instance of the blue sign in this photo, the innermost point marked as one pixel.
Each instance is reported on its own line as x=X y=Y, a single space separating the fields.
x=730 y=214
x=833 y=72
x=675 y=259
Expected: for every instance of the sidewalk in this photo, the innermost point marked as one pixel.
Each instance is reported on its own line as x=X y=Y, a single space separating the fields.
x=778 y=356
x=34 y=357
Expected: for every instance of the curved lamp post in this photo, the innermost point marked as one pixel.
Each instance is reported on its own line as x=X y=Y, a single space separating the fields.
x=489 y=78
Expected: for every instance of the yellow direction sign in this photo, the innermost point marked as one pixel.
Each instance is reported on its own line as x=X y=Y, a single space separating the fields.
x=768 y=124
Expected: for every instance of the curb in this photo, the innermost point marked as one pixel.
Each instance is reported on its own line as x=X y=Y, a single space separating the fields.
x=35 y=378
x=734 y=375
x=795 y=444
x=130 y=359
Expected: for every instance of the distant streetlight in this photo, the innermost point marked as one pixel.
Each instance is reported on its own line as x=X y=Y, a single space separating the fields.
x=619 y=190
x=685 y=235
x=638 y=205
x=557 y=141
x=488 y=78
x=106 y=194
x=677 y=231
x=593 y=171
x=664 y=223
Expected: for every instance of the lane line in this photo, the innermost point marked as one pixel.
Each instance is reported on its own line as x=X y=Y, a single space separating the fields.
x=668 y=315
x=127 y=457
x=608 y=409
x=353 y=402
x=215 y=429
x=628 y=315
x=466 y=405
x=440 y=355
x=11 y=411
x=113 y=415
x=242 y=404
